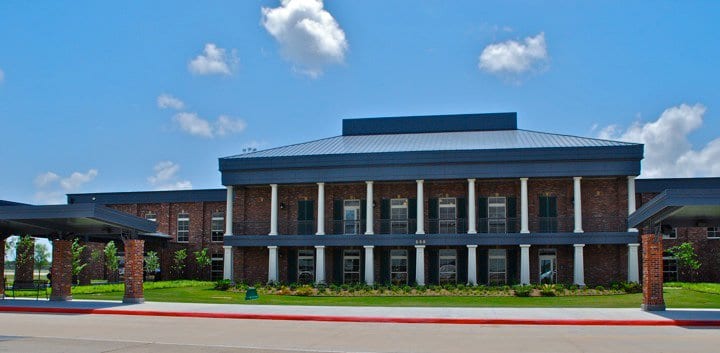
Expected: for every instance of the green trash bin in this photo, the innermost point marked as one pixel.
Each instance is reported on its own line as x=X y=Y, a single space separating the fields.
x=251 y=293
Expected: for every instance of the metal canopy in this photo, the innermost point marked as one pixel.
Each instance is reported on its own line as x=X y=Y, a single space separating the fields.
x=680 y=208
x=78 y=219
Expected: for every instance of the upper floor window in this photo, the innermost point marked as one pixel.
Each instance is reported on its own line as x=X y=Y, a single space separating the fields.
x=713 y=232
x=151 y=216
x=351 y=216
x=183 y=227
x=447 y=214
x=399 y=216
x=548 y=214
x=217 y=226
x=497 y=214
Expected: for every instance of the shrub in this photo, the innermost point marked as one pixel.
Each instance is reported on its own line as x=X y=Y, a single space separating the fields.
x=223 y=284
x=599 y=288
x=547 y=290
x=305 y=291
x=631 y=287
x=522 y=291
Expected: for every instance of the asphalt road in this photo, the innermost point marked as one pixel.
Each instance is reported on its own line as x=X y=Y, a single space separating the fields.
x=109 y=333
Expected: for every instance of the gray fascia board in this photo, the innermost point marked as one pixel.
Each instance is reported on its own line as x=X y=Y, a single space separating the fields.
x=92 y=211
x=430 y=123
x=669 y=201
x=433 y=239
x=175 y=196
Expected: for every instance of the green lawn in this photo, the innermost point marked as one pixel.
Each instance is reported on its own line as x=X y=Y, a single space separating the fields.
x=677 y=297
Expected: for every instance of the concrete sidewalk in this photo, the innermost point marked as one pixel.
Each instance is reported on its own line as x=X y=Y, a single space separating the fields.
x=508 y=316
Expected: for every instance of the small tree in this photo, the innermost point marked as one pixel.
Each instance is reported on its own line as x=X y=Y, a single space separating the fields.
x=42 y=257
x=686 y=258
x=22 y=248
x=203 y=261
x=152 y=263
x=111 y=259
x=77 y=262
x=179 y=261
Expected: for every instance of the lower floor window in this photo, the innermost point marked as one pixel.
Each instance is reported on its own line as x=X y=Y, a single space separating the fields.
x=306 y=266
x=216 y=267
x=670 y=272
x=497 y=266
x=448 y=266
x=351 y=266
x=399 y=267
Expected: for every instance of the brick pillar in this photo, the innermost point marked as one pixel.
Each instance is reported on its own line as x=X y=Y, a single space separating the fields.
x=61 y=270
x=134 y=271
x=652 y=265
x=85 y=276
x=2 y=269
x=24 y=261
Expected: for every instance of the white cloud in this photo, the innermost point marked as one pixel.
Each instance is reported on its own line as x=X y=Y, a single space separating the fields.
x=308 y=34
x=668 y=152
x=195 y=125
x=214 y=60
x=165 y=177
x=514 y=57
x=52 y=188
x=165 y=101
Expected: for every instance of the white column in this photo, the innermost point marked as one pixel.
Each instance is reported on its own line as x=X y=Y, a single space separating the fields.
x=579 y=266
x=525 y=264
x=472 y=222
x=472 y=265
x=633 y=271
x=229 y=210
x=228 y=263
x=319 y=264
x=273 y=264
x=369 y=209
x=524 y=228
x=369 y=265
x=631 y=198
x=321 y=209
x=578 y=204
x=420 y=208
x=420 y=265
x=273 y=209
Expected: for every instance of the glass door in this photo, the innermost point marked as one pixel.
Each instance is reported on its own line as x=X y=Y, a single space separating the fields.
x=548 y=273
x=351 y=216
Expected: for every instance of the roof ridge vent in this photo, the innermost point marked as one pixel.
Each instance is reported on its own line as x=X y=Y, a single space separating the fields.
x=430 y=123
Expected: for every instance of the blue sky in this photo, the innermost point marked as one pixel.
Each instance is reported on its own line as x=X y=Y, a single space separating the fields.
x=145 y=95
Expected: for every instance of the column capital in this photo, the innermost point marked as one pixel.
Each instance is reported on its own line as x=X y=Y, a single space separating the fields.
x=577 y=178
x=579 y=245
x=472 y=180
x=321 y=184
x=227 y=247
x=525 y=246
x=369 y=246
x=319 y=247
x=273 y=185
x=368 y=182
x=420 y=181
x=472 y=246
x=633 y=245
x=272 y=247
x=419 y=246
x=631 y=177
x=524 y=179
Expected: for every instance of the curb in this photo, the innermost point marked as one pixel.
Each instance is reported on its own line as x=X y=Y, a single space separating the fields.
x=366 y=319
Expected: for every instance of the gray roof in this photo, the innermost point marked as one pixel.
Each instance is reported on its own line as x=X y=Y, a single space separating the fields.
x=435 y=141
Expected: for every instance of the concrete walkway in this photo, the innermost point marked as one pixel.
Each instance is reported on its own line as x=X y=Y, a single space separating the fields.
x=508 y=316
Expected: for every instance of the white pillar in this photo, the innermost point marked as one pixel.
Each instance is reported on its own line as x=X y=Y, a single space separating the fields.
x=273 y=264
x=631 y=198
x=472 y=222
x=369 y=265
x=321 y=209
x=420 y=265
x=229 y=211
x=369 y=209
x=579 y=266
x=420 y=208
x=273 y=209
x=524 y=264
x=319 y=264
x=524 y=228
x=578 y=204
x=228 y=263
x=633 y=271
x=472 y=265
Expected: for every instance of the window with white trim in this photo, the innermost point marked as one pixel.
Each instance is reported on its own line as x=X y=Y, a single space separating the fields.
x=669 y=233
x=448 y=266
x=306 y=266
x=713 y=232
x=399 y=267
x=398 y=216
x=217 y=266
x=151 y=216
x=497 y=266
x=351 y=266
x=670 y=268
x=447 y=214
x=183 y=227
x=497 y=214
x=351 y=216
x=217 y=226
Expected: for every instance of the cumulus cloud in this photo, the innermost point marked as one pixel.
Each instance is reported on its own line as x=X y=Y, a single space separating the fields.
x=668 y=151
x=213 y=61
x=195 y=125
x=514 y=57
x=309 y=36
x=165 y=101
x=51 y=188
x=166 y=178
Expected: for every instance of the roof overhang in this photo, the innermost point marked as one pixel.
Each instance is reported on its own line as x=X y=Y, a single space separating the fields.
x=78 y=219
x=679 y=208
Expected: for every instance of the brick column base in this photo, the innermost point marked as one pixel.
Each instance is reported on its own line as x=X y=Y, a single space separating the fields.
x=134 y=271
x=61 y=270
x=652 y=265
x=24 y=261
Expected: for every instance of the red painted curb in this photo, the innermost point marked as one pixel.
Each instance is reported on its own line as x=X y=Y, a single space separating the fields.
x=366 y=319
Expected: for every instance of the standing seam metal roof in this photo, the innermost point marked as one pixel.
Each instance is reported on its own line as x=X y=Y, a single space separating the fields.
x=442 y=141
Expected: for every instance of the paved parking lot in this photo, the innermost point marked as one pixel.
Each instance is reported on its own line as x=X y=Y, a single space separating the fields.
x=102 y=333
